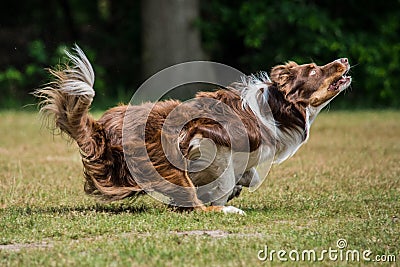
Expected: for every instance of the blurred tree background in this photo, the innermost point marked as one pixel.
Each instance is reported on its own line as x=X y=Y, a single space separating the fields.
x=130 y=40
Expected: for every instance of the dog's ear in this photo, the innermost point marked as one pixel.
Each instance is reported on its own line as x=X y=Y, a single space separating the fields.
x=283 y=73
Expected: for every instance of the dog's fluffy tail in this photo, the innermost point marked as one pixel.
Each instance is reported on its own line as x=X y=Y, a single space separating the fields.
x=67 y=99
x=65 y=103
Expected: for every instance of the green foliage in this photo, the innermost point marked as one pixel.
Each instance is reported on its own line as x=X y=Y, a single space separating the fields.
x=10 y=79
x=249 y=35
x=37 y=50
x=35 y=35
x=17 y=83
x=265 y=33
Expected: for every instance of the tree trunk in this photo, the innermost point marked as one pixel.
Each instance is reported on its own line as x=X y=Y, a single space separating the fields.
x=169 y=35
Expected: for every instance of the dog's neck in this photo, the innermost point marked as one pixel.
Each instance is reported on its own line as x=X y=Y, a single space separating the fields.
x=292 y=122
x=287 y=122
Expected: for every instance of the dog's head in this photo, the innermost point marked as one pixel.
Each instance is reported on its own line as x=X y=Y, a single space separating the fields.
x=309 y=84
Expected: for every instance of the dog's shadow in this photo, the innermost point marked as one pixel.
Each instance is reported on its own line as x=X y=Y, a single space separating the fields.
x=114 y=208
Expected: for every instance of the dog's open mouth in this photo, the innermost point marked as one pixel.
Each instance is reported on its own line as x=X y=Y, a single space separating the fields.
x=340 y=83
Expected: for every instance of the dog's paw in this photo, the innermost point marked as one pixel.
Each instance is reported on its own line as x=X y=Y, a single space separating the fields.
x=232 y=209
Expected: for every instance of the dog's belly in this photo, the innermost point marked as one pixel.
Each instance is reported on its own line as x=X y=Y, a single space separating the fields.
x=218 y=170
x=210 y=163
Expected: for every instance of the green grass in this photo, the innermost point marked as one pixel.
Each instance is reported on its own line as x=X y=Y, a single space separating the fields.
x=344 y=183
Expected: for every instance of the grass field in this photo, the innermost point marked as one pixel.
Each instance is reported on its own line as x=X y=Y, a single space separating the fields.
x=343 y=184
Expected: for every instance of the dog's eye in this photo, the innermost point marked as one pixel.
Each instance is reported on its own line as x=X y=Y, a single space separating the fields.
x=312 y=72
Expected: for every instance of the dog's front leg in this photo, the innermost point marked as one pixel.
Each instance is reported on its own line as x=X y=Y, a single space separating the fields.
x=250 y=177
x=226 y=186
x=215 y=162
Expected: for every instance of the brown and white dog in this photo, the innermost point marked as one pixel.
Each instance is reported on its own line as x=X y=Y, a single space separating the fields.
x=124 y=152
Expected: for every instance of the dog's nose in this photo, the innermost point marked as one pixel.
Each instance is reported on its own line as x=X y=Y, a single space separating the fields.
x=344 y=61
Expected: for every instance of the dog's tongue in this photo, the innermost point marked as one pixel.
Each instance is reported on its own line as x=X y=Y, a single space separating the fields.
x=332 y=87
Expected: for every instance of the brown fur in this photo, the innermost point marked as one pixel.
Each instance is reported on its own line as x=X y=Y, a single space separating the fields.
x=105 y=168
